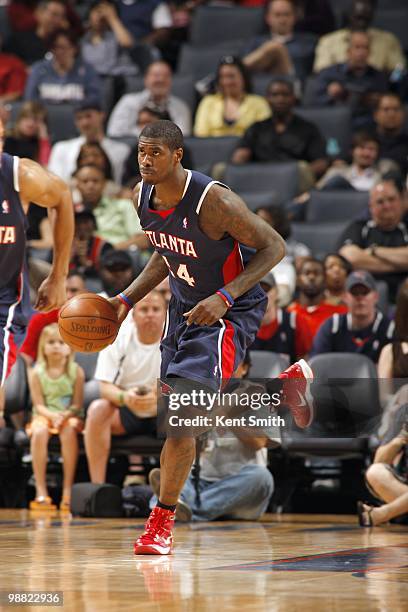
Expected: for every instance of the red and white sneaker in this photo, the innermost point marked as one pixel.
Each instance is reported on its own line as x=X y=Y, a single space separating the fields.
x=158 y=536
x=296 y=392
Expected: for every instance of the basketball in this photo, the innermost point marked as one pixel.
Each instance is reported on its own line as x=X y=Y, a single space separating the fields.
x=88 y=323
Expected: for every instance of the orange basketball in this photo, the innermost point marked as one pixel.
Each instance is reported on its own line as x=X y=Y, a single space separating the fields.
x=88 y=323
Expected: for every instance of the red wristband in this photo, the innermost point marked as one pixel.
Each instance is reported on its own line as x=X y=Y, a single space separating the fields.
x=224 y=299
x=125 y=300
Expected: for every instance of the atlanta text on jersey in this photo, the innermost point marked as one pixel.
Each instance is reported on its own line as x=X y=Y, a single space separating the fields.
x=7 y=234
x=172 y=243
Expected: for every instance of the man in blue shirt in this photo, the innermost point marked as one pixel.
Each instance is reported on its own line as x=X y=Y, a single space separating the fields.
x=363 y=329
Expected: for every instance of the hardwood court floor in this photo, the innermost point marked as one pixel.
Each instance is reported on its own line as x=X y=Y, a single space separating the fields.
x=283 y=564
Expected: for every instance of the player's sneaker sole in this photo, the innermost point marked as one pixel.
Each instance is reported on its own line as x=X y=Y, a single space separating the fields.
x=151 y=549
x=309 y=376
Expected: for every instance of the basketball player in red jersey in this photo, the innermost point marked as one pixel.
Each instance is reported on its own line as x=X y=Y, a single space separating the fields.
x=215 y=251
x=23 y=181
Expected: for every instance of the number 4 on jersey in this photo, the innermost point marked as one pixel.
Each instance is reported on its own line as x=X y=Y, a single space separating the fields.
x=182 y=272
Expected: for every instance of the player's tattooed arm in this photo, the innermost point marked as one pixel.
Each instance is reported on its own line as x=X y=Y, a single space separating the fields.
x=223 y=212
x=152 y=275
x=44 y=188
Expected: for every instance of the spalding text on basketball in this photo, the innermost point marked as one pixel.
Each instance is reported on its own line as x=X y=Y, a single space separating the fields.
x=104 y=330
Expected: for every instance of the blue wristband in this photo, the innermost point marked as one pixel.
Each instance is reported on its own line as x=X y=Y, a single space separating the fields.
x=228 y=296
x=125 y=300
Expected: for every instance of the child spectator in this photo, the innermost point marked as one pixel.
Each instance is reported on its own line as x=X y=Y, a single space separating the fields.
x=56 y=387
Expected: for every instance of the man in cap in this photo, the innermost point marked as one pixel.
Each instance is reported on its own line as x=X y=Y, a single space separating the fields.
x=116 y=272
x=364 y=329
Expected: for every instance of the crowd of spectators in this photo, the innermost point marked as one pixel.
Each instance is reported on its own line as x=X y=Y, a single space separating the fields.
x=114 y=66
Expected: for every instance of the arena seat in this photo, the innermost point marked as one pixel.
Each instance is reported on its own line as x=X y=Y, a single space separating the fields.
x=321 y=238
x=256 y=200
x=87 y=361
x=201 y=62
x=383 y=293
x=209 y=151
x=396 y=4
x=309 y=91
x=61 y=122
x=266 y=364
x=335 y=205
x=146 y=446
x=395 y=20
x=260 y=83
x=281 y=180
x=210 y=24
x=332 y=122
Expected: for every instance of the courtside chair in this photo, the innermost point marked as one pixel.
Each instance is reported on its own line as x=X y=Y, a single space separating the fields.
x=266 y=364
x=209 y=151
x=321 y=238
x=333 y=123
x=281 y=180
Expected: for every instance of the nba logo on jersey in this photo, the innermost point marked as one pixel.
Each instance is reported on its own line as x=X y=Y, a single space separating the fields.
x=185 y=223
x=5 y=207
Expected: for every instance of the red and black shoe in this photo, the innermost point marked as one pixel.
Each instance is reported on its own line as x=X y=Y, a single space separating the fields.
x=296 y=392
x=158 y=536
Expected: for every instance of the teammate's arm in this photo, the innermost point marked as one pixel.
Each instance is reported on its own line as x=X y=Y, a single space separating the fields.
x=48 y=190
x=223 y=212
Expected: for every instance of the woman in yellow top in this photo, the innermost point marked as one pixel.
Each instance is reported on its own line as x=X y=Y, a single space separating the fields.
x=231 y=110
